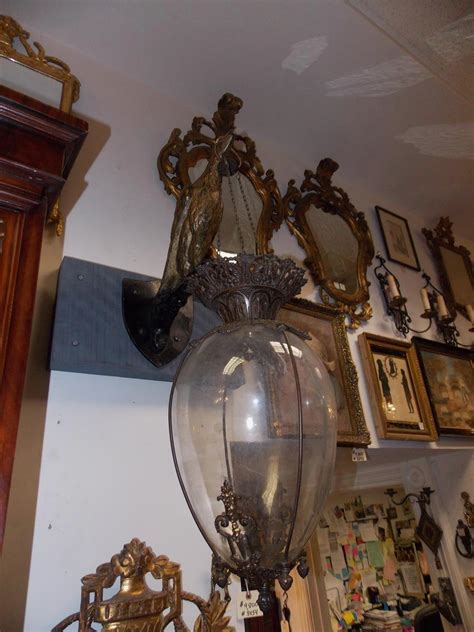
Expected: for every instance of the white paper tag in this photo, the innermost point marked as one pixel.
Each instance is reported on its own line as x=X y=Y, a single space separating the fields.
x=359 y=455
x=248 y=608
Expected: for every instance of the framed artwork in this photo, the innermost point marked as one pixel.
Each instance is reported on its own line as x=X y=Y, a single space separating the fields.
x=328 y=334
x=448 y=373
x=409 y=569
x=397 y=391
x=397 y=238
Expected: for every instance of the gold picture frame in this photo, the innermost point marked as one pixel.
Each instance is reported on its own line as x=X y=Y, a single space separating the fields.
x=397 y=391
x=337 y=220
x=328 y=333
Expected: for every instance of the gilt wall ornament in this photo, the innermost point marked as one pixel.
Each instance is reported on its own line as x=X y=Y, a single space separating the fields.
x=138 y=608
x=15 y=47
x=336 y=239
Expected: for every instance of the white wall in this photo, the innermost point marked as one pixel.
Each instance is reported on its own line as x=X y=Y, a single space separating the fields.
x=106 y=471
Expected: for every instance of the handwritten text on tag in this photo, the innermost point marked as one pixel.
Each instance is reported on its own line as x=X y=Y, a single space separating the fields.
x=248 y=608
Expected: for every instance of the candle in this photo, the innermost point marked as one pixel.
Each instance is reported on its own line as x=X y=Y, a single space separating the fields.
x=470 y=313
x=392 y=286
x=442 y=309
x=425 y=299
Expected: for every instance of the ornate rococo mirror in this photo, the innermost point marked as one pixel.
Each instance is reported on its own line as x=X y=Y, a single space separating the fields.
x=251 y=199
x=336 y=239
x=454 y=267
x=209 y=165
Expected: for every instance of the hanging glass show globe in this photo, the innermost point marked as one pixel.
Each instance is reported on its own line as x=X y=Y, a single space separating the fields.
x=253 y=424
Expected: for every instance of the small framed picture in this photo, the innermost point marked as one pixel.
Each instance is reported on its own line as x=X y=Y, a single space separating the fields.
x=397 y=391
x=449 y=377
x=397 y=238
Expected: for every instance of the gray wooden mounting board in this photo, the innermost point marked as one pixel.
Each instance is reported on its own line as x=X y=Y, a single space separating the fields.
x=89 y=334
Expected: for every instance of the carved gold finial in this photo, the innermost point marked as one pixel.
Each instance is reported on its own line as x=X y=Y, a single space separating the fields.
x=136 y=606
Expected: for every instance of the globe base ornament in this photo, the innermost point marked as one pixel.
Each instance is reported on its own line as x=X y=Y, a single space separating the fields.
x=252 y=425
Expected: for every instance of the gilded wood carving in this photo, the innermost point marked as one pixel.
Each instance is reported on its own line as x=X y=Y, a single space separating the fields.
x=136 y=607
x=318 y=193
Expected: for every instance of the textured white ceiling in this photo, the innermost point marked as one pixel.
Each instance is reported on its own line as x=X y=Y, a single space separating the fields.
x=439 y=33
x=317 y=77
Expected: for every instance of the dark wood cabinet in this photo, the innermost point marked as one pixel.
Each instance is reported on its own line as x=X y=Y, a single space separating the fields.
x=38 y=146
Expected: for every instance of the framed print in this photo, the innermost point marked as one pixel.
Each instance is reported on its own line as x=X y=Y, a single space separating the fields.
x=397 y=238
x=328 y=334
x=448 y=373
x=397 y=391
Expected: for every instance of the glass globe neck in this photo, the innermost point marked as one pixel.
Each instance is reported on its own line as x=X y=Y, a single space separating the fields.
x=246 y=287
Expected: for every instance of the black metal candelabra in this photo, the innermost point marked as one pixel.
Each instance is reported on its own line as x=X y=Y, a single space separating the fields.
x=395 y=302
x=444 y=322
x=433 y=301
x=422 y=498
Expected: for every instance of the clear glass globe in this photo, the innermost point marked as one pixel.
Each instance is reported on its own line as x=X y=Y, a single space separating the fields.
x=253 y=428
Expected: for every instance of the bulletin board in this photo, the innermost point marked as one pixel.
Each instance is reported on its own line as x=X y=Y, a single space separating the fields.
x=370 y=545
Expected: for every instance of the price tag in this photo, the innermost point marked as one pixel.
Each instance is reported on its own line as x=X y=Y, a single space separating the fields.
x=247 y=608
x=359 y=455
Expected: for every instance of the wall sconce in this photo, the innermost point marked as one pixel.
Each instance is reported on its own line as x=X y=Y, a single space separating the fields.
x=395 y=302
x=433 y=302
x=464 y=540
x=422 y=498
x=435 y=308
x=427 y=529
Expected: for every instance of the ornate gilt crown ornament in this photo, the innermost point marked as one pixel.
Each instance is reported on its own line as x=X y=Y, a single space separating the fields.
x=15 y=47
x=136 y=607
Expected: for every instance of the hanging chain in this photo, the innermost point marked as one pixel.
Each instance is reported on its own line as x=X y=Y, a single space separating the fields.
x=247 y=208
x=234 y=206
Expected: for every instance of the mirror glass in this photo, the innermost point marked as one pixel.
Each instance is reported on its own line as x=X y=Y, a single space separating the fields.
x=458 y=276
x=242 y=209
x=338 y=248
x=30 y=82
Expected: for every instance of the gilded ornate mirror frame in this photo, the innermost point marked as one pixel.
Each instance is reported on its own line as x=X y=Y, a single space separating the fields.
x=318 y=190
x=159 y=314
x=442 y=237
x=180 y=154
x=12 y=33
